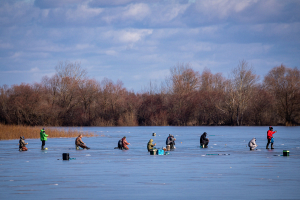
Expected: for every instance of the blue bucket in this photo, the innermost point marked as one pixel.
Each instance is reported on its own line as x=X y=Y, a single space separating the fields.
x=160 y=152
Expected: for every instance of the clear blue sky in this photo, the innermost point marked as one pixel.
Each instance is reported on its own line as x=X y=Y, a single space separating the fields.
x=136 y=41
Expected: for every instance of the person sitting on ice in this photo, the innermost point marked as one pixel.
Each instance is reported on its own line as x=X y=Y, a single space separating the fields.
x=171 y=141
x=252 y=144
x=203 y=140
x=22 y=144
x=150 y=145
x=125 y=143
x=79 y=143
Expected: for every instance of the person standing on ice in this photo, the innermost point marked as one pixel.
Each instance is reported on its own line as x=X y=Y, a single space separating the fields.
x=43 y=136
x=270 y=137
x=252 y=144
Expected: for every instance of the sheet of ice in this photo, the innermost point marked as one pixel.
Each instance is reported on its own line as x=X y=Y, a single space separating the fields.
x=187 y=173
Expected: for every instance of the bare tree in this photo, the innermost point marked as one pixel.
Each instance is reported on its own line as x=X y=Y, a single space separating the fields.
x=183 y=79
x=284 y=84
x=240 y=89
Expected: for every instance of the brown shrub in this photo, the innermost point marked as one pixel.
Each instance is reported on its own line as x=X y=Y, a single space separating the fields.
x=9 y=132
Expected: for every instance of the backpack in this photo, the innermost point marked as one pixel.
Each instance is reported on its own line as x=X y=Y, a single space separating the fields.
x=120 y=144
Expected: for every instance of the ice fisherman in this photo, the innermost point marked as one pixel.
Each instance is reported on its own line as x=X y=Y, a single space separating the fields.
x=203 y=140
x=252 y=144
x=43 y=136
x=150 y=145
x=270 y=137
x=124 y=143
x=171 y=141
x=22 y=144
x=80 y=143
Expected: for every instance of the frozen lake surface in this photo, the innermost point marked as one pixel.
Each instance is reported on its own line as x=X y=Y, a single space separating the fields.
x=187 y=173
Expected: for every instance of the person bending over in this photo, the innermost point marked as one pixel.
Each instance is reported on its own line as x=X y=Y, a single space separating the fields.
x=252 y=144
x=22 y=144
x=125 y=143
x=171 y=141
x=203 y=140
x=150 y=145
x=80 y=143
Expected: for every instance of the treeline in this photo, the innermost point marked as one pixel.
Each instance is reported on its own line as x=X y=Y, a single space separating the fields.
x=185 y=98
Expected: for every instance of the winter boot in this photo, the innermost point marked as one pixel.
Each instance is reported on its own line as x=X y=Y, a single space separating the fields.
x=272 y=146
x=267 y=147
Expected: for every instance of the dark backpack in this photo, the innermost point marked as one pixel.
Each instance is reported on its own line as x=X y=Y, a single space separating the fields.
x=120 y=144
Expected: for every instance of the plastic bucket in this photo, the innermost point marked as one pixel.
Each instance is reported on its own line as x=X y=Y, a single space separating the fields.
x=153 y=152
x=65 y=156
x=286 y=153
x=160 y=152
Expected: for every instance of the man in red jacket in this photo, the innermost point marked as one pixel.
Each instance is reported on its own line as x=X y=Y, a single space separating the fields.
x=125 y=143
x=269 y=137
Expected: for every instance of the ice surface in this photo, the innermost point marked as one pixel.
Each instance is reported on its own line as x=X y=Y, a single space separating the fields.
x=187 y=173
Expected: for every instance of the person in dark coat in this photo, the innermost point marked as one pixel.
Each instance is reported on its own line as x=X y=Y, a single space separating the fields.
x=22 y=144
x=203 y=140
x=171 y=141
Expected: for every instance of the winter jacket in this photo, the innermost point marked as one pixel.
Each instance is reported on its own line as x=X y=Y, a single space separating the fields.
x=203 y=139
x=170 y=140
x=150 y=145
x=270 y=134
x=78 y=141
x=43 y=135
x=125 y=143
x=252 y=144
x=22 y=143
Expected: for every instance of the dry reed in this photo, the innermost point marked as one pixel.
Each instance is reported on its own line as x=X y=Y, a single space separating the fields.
x=10 y=132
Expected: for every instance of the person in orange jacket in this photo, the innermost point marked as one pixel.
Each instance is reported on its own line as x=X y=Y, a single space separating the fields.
x=270 y=137
x=125 y=143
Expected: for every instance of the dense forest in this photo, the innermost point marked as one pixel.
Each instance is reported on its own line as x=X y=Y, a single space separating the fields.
x=186 y=98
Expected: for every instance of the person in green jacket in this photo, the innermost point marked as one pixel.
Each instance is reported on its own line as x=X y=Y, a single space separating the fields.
x=150 y=145
x=43 y=136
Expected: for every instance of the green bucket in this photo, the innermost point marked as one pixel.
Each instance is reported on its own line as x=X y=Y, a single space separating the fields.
x=153 y=152
x=286 y=153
